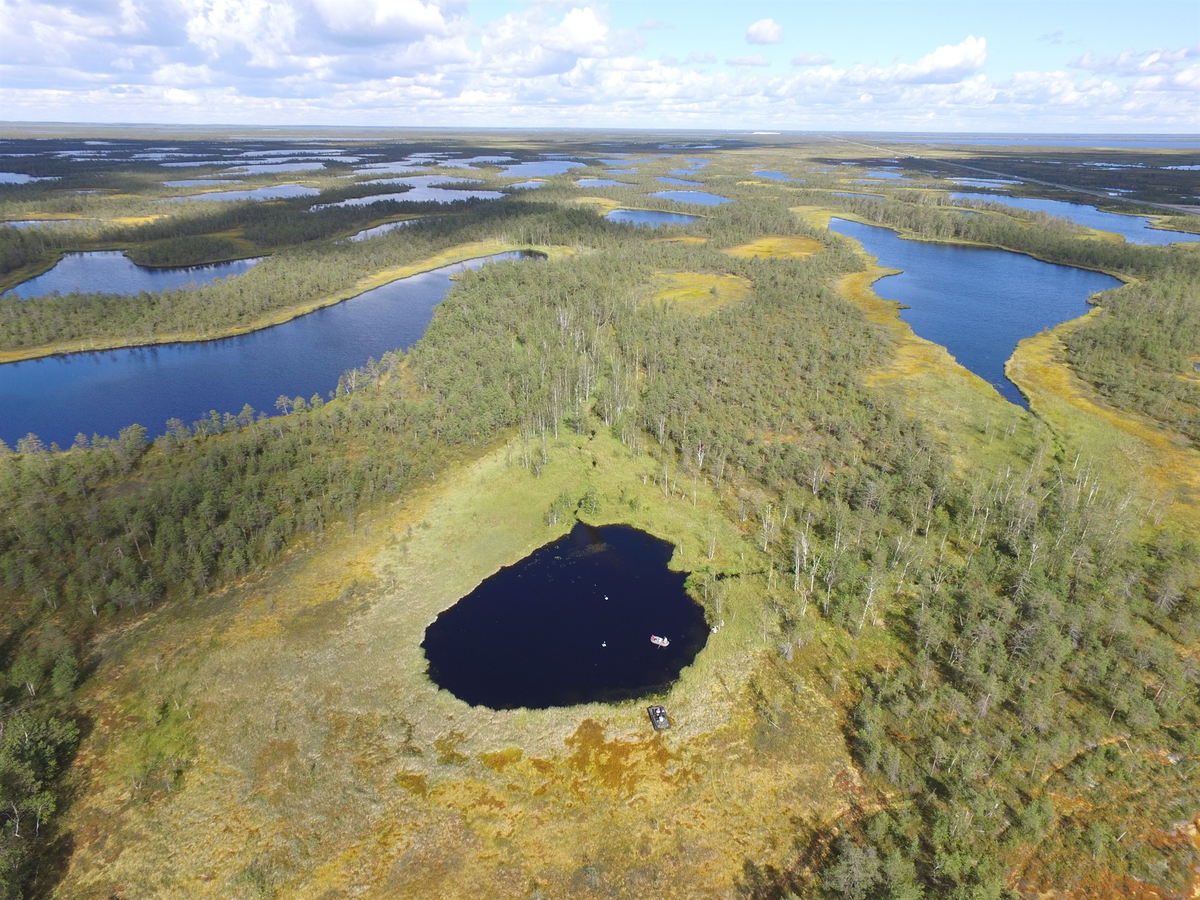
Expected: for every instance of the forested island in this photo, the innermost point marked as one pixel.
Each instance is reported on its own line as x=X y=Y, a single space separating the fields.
x=954 y=643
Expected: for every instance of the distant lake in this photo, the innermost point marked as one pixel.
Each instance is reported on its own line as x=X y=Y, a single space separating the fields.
x=854 y=194
x=702 y=198
x=542 y=167
x=112 y=272
x=294 y=166
x=985 y=182
x=601 y=182
x=570 y=624
x=976 y=302
x=103 y=392
x=381 y=229
x=34 y=223
x=888 y=175
x=422 y=189
x=272 y=192
x=201 y=182
x=527 y=185
x=648 y=218
x=1135 y=229
x=683 y=181
x=1160 y=141
x=22 y=178
x=776 y=176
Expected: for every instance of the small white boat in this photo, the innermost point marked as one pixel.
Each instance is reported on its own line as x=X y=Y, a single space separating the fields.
x=660 y=641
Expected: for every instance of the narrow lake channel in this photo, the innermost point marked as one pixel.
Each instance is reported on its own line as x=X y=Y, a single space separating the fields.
x=103 y=392
x=976 y=302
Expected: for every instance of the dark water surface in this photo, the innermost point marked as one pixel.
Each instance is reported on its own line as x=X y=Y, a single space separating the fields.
x=977 y=303
x=112 y=272
x=1135 y=229
x=102 y=392
x=569 y=624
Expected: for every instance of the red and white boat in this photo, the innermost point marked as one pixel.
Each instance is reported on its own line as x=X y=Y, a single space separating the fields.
x=660 y=641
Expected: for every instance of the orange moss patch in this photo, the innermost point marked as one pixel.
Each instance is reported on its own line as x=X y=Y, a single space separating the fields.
x=700 y=292
x=1059 y=396
x=776 y=247
x=680 y=239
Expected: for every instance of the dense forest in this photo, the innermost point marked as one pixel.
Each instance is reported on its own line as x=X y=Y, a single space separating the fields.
x=1017 y=625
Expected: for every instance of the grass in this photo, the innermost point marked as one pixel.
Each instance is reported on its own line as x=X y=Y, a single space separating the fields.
x=776 y=247
x=1135 y=452
x=320 y=757
x=447 y=257
x=700 y=293
x=978 y=428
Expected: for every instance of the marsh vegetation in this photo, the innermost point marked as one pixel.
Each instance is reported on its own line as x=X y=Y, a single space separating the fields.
x=957 y=640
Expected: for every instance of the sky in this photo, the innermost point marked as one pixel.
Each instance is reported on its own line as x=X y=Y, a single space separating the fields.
x=1052 y=66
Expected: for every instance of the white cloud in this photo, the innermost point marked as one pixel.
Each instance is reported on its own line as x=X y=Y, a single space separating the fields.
x=264 y=30
x=427 y=62
x=377 y=21
x=764 y=31
x=1131 y=63
x=181 y=75
x=580 y=32
x=811 y=59
x=743 y=61
x=949 y=63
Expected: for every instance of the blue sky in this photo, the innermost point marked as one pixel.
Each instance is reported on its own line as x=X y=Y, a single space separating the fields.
x=971 y=65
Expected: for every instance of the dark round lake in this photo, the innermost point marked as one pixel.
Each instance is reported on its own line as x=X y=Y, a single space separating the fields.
x=571 y=623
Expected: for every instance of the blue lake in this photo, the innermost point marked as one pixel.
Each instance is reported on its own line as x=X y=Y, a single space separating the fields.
x=263 y=167
x=776 y=176
x=977 y=303
x=103 y=392
x=984 y=182
x=367 y=233
x=648 y=218
x=201 y=182
x=422 y=189
x=272 y=192
x=48 y=223
x=112 y=272
x=601 y=182
x=22 y=178
x=854 y=194
x=569 y=624
x=542 y=167
x=701 y=198
x=527 y=185
x=683 y=181
x=1135 y=229
x=888 y=175
x=1163 y=141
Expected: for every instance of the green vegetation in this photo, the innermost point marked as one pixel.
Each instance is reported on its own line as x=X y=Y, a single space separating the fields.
x=1000 y=634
